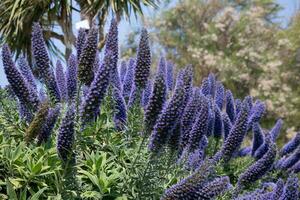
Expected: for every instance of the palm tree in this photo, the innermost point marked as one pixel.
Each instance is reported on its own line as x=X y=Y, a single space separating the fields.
x=17 y=17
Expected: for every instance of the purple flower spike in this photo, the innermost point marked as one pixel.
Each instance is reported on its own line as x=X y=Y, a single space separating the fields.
x=27 y=73
x=128 y=79
x=278 y=190
x=260 y=152
x=189 y=116
x=291 y=145
x=197 y=186
x=24 y=113
x=87 y=58
x=156 y=103
x=196 y=158
x=258 y=138
x=42 y=61
x=122 y=71
x=90 y=106
x=230 y=110
x=220 y=95
x=134 y=98
x=257 y=112
x=236 y=135
x=291 y=189
x=292 y=159
x=227 y=125
x=65 y=138
x=165 y=123
x=170 y=76
x=205 y=87
x=72 y=77
x=295 y=168
x=111 y=45
x=47 y=128
x=162 y=68
x=238 y=106
x=211 y=118
x=143 y=61
x=147 y=93
x=259 y=168
x=212 y=83
x=218 y=125
x=61 y=81
x=120 y=116
x=80 y=41
x=276 y=129
x=200 y=126
x=18 y=83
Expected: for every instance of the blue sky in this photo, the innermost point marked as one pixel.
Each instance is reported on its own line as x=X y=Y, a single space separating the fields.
x=289 y=8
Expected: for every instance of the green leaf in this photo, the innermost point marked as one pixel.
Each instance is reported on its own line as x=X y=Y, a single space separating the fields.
x=37 y=195
x=11 y=191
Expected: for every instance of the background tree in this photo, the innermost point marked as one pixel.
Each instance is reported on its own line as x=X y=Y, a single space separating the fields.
x=239 y=41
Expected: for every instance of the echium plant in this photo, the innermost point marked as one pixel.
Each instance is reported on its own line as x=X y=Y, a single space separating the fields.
x=21 y=88
x=87 y=58
x=42 y=61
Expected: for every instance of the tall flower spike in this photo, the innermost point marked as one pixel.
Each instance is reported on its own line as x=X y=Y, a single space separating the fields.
x=81 y=38
x=291 y=145
x=120 y=115
x=61 y=80
x=236 y=135
x=199 y=128
x=263 y=148
x=188 y=191
x=196 y=158
x=291 y=188
x=165 y=123
x=162 y=68
x=128 y=79
x=156 y=103
x=212 y=83
x=227 y=125
x=258 y=138
x=147 y=93
x=170 y=75
x=211 y=117
x=27 y=73
x=292 y=159
x=143 y=61
x=111 y=45
x=230 y=110
x=90 y=106
x=278 y=190
x=65 y=138
x=189 y=116
x=24 y=113
x=257 y=112
x=48 y=126
x=36 y=125
x=42 y=61
x=238 y=106
x=134 y=97
x=17 y=82
x=220 y=95
x=259 y=168
x=275 y=131
x=218 y=125
x=87 y=58
x=122 y=71
x=295 y=168
x=72 y=77
x=188 y=187
x=205 y=87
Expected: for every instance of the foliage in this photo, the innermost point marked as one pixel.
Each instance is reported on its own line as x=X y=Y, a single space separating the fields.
x=238 y=41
